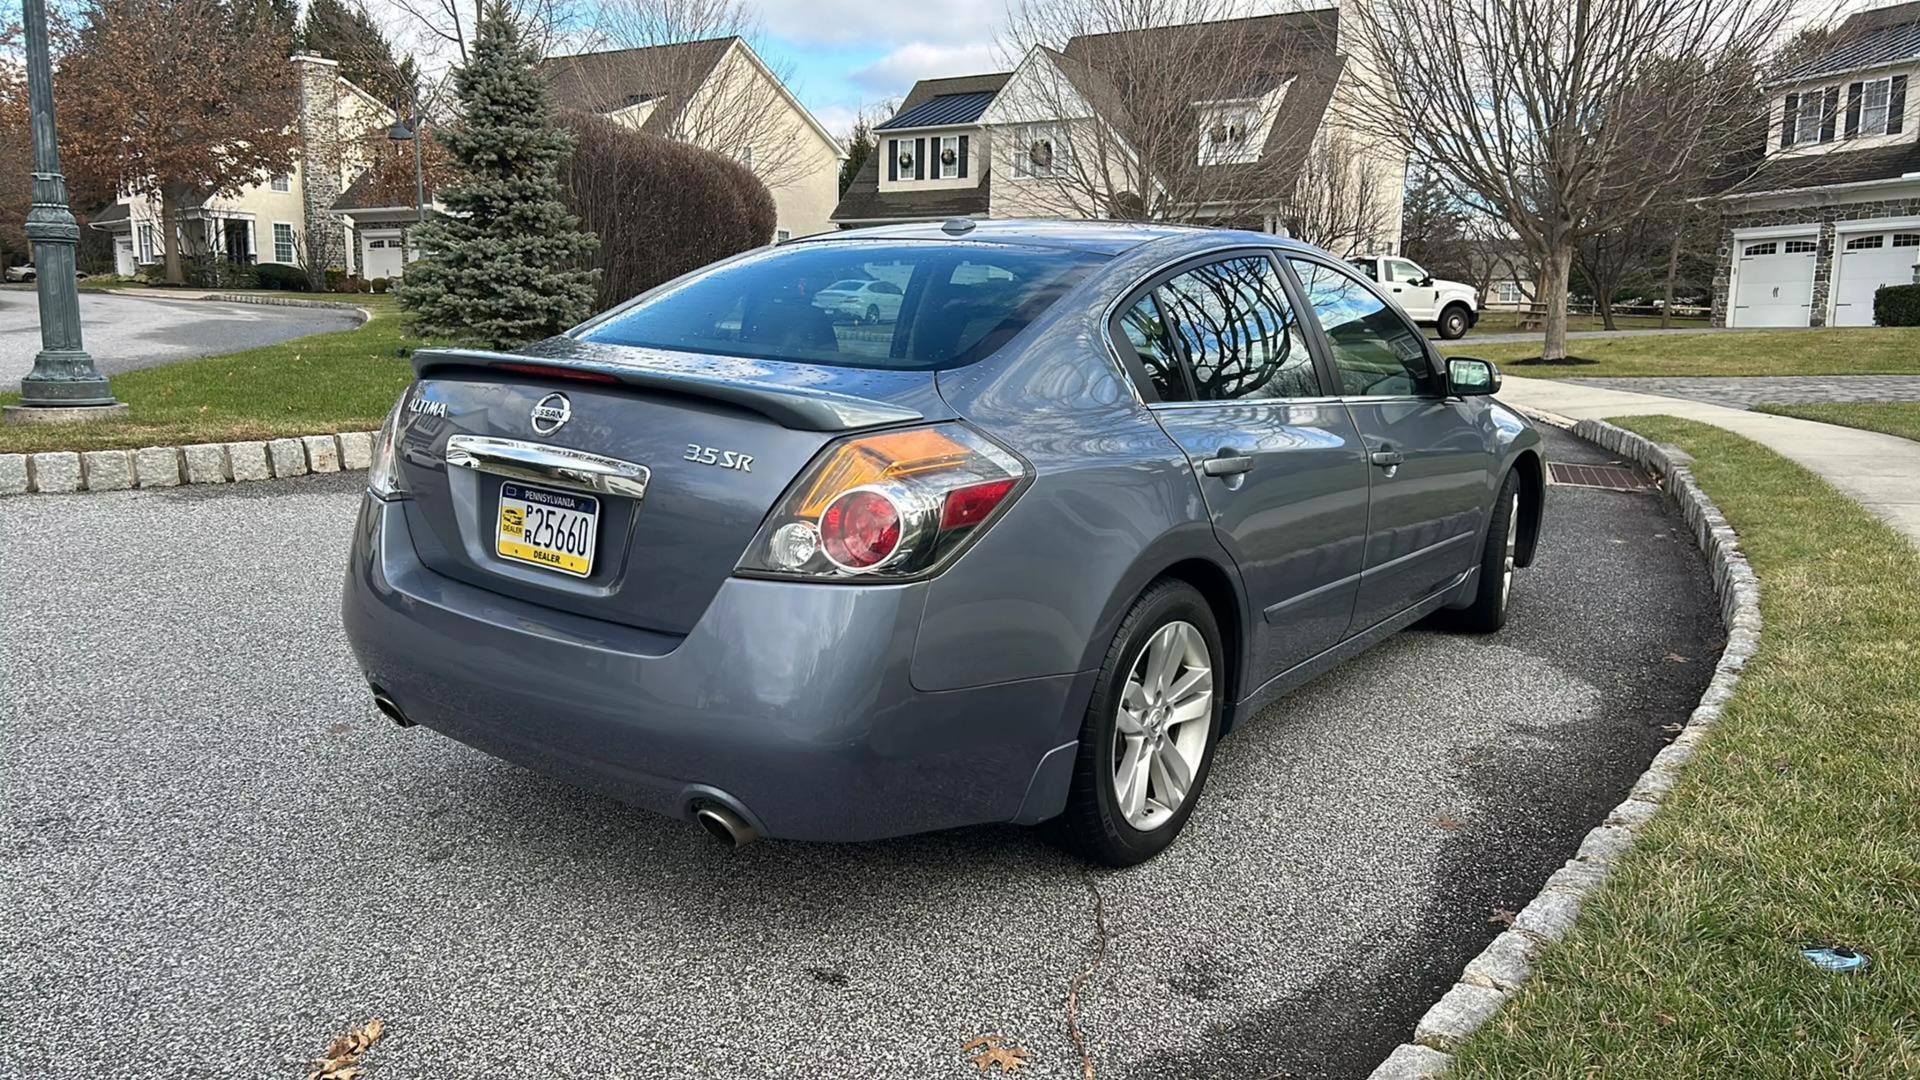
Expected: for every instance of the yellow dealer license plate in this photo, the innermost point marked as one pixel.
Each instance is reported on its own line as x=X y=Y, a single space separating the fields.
x=554 y=529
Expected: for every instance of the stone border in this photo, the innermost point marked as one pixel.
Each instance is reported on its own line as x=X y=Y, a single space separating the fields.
x=285 y=301
x=1496 y=974
x=67 y=471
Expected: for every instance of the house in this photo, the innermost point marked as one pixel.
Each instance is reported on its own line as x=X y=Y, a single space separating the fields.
x=1238 y=113
x=288 y=220
x=1831 y=212
x=717 y=94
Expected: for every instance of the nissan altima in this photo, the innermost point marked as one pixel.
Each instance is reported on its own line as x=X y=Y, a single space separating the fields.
x=1021 y=548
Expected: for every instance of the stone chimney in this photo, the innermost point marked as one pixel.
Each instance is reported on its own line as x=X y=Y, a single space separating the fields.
x=322 y=146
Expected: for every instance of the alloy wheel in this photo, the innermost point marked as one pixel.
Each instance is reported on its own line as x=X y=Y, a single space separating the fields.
x=1513 y=535
x=1157 y=746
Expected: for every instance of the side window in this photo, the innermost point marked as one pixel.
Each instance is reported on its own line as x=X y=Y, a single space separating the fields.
x=1377 y=353
x=1243 y=339
x=1152 y=340
x=1402 y=270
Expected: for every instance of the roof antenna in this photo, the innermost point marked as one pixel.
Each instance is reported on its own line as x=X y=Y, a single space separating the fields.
x=957 y=226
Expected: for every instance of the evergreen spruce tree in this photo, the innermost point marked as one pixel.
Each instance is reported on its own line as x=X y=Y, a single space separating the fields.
x=858 y=149
x=503 y=264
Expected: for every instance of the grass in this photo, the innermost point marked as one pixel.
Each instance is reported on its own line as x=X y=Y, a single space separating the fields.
x=1797 y=823
x=1875 y=351
x=1508 y=322
x=1900 y=418
x=327 y=382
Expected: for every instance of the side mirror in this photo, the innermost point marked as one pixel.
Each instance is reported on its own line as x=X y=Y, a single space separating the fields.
x=1425 y=282
x=1467 y=377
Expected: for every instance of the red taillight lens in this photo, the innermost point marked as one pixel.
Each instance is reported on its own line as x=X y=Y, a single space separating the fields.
x=860 y=529
x=969 y=506
x=557 y=371
x=896 y=504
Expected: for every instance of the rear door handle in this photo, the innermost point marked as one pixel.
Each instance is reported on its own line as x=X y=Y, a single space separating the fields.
x=1226 y=463
x=1387 y=459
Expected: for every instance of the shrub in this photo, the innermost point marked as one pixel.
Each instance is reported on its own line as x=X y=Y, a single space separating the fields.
x=289 y=278
x=336 y=279
x=660 y=207
x=1897 y=305
x=380 y=284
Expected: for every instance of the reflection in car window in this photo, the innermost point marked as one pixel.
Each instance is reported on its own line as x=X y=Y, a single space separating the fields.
x=1243 y=340
x=1377 y=353
x=1152 y=340
x=906 y=306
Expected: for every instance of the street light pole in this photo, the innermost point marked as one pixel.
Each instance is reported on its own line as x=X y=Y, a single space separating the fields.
x=419 y=173
x=64 y=384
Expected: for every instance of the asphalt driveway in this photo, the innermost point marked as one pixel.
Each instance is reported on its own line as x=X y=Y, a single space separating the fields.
x=125 y=333
x=215 y=856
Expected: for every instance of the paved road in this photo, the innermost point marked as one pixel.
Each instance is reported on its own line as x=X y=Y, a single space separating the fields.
x=214 y=855
x=1744 y=392
x=128 y=332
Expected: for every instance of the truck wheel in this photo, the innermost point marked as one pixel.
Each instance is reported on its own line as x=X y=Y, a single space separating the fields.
x=1454 y=322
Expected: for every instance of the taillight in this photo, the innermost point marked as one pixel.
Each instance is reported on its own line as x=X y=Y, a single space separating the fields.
x=383 y=475
x=899 y=504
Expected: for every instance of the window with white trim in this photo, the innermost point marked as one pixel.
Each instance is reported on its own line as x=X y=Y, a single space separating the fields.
x=1866 y=243
x=146 y=244
x=283 y=182
x=948 y=159
x=781 y=236
x=1801 y=247
x=1507 y=292
x=1813 y=105
x=1906 y=239
x=1764 y=247
x=1874 y=99
x=1229 y=133
x=283 y=246
x=1039 y=151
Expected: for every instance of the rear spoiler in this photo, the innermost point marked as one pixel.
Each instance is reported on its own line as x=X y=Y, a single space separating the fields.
x=798 y=407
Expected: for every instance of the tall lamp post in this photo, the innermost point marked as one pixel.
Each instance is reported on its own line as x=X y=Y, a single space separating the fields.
x=63 y=385
x=400 y=132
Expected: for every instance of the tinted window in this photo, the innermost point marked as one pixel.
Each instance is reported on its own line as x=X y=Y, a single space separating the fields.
x=1242 y=337
x=1402 y=270
x=949 y=303
x=1152 y=340
x=1367 y=267
x=1377 y=353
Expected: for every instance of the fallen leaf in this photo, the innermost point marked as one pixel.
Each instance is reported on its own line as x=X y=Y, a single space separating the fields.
x=1502 y=916
x=1448 y=822
x=989 y=1054
x=342 y=1058
x=1676 y=658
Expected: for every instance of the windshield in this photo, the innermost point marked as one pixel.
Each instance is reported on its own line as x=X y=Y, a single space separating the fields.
x=925 y=305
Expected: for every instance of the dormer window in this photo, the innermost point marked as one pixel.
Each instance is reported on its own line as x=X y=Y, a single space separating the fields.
x=1227 y=133
x=1039 y=151
x=1873 y=106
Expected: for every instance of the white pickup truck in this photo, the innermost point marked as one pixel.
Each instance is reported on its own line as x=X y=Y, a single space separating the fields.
x=1451 y=306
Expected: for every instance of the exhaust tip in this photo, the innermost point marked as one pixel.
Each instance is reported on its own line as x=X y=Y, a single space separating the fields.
x=389 y=709
x=724 y=825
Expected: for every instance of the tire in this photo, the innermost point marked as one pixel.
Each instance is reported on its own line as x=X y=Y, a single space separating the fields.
x=1488 y=612
x=1454 y=322
x=873 y=314
x=1096 y=824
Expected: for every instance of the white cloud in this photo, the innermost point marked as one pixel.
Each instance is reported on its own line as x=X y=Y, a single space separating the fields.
x=895 y=73
x=837 y=119
x=843 y=22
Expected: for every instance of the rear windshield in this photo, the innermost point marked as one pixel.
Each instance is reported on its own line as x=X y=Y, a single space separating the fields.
x=904 y=306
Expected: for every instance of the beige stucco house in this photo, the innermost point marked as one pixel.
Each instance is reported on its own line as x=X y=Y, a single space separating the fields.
x=288 y=220
x=719 y=95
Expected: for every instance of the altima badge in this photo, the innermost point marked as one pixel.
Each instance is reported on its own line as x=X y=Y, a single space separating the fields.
x=550 y=413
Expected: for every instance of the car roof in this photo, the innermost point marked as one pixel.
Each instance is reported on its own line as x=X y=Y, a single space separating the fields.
x=1099 y=237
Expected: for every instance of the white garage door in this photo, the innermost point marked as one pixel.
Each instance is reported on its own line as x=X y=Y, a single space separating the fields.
x=380 y=256
x=1776 y=282
x=1866 y=262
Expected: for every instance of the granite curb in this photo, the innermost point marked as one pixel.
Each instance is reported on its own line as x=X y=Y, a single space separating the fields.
x=1498 y=972
x=67 y=471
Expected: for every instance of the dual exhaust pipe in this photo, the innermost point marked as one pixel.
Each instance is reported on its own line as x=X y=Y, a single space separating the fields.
x=721 y=821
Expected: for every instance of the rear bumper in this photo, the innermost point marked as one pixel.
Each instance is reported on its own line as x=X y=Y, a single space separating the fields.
x=790 y=702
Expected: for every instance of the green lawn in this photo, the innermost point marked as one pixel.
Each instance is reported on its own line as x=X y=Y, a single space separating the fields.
x=1875 y=351
x=327 y=382
x=1900 y=418
x=1797 y=823
x=1508 y=322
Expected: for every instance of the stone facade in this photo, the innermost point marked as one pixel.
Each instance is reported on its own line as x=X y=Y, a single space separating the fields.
x=1823 y=216
x=321 y=138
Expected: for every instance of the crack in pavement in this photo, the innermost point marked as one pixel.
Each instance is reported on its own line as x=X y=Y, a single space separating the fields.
x=1079 y=1039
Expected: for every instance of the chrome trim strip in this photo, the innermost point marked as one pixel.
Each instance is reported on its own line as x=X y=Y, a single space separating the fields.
x=1274 y=612
x=556 y=465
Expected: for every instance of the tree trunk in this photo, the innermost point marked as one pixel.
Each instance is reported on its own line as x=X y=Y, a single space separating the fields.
x=1603 y=299
x=1673 y=272
x=170 y=237
x=1555 y=270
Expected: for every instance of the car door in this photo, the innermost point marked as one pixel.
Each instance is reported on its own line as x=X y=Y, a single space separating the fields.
x=1221 y=353
x=1429 y=453
x=1403 y=278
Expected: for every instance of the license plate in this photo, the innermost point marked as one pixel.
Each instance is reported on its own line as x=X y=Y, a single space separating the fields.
x=554 y=529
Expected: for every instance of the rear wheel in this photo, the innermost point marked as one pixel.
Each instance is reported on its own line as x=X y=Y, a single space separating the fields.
x=1146 y=744
x=1454 y=322
x=1488 y=612
x=873 y=313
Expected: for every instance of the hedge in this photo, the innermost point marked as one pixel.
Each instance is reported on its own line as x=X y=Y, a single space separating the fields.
x=1897 y=305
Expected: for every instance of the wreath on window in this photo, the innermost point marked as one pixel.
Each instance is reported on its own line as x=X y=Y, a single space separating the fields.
x=906 y=159
x=1041 y=154
x=948 y=156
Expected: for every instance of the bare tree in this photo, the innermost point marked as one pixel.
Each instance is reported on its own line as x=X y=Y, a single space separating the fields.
x=667 y=51
x=1337 y=201
x=1159 y=109
x=443 y=27
x=1564 y=118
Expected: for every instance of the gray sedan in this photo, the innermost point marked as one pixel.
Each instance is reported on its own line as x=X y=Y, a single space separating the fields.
x=1021 y=552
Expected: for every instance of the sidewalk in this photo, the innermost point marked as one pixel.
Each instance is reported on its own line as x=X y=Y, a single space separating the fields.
x=1880 y=472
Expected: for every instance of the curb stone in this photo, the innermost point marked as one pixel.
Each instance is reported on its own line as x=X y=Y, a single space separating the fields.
x=67 y=471
x=1498 y=972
